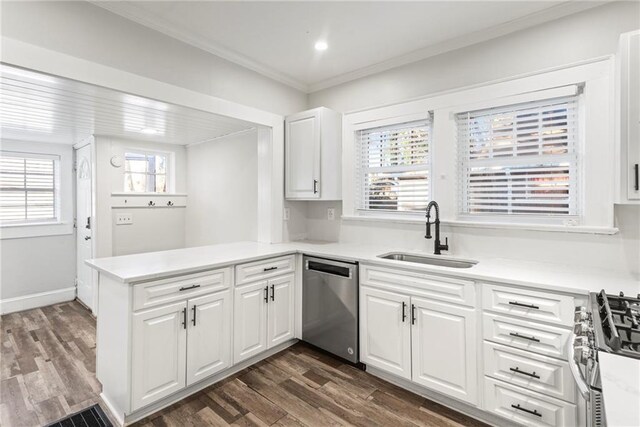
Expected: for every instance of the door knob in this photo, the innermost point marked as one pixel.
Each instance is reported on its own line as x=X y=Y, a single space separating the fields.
x=87 y=237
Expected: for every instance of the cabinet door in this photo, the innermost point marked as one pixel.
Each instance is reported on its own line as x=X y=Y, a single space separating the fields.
x=633 y=118
x=159 y=353
x=250 y=320
x=444 y=348
x=302 y=155
x=209 y=335
x=281 y=316
x=385 y=331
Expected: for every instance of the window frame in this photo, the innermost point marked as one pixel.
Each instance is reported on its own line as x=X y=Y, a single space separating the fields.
x=168 y=174
x=65 y=197
x=576 y=183
x=55 y=189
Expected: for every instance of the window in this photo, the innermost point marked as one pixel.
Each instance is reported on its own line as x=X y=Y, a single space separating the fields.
x=145 y=172
x=28 y=188
x=520 y=160
x=393 y=167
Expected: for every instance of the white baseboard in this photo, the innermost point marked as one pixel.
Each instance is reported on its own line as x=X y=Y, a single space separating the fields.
x=27 y=302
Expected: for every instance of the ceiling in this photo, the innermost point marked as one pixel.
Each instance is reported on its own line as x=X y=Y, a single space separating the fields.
x=277 y=38
x=43 y=108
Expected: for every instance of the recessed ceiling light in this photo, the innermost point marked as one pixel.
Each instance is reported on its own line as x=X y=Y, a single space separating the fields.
x=149 y=131
x=321 y=45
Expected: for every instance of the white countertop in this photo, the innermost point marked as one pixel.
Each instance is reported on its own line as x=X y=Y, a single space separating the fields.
x=621 y=389
x=153 y=265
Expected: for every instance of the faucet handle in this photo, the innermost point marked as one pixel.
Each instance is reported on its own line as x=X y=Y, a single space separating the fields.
x=445 y=247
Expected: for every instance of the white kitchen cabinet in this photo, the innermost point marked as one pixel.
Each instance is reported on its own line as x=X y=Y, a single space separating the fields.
x=443 y=342
x=280 y=313
x=250 y=320
x=263 y=316
x=313 y=153
x=209 y=335
x=628 y=88
x=385 y=331
x=158 y=353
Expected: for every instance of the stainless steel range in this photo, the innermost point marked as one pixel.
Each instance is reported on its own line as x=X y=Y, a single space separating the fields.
x=610 y=324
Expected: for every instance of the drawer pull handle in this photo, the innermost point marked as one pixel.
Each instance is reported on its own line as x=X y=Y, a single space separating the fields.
x=186 y=288
x=528 y=411
x=519 y=304
x=529 y=374
x=404 y=311
x=270 y=268
x=524 y=337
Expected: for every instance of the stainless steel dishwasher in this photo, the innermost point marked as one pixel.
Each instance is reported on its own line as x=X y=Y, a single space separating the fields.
x=330 y=306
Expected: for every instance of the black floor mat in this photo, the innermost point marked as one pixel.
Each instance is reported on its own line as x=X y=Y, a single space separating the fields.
x=93 y=416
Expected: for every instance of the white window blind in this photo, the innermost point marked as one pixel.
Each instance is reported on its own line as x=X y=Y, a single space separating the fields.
x=145 y=173
x=28 y=187
x=521 y=159
x=394 y=167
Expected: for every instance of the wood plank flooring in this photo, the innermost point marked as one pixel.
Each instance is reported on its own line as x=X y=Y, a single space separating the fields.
x=48 y=371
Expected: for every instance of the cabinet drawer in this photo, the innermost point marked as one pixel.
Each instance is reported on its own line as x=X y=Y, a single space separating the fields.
x=424 y=285
x=532 y=336
x=264 y=269
x=163 y=291
x=534 y=372
x=543 y=306
x=526 y=407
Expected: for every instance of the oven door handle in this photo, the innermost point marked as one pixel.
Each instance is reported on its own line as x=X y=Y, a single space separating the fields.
x=583 y=387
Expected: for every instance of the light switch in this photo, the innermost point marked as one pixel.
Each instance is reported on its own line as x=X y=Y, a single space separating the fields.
x=124 y=219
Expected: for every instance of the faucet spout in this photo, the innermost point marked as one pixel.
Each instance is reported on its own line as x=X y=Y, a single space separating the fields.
x=438 y=247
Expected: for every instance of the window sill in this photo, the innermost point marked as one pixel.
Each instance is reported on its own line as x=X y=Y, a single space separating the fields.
x=489 y=225
x=36 y=229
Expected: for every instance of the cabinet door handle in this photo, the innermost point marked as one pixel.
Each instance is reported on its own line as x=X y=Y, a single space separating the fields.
x=637 y=176
x=529 y=374
x=184 y=317
x=194 y=315
x=186 y=288
x=273 y=292
x=266 y=294
x=528 y=411
x=404 y=311
x=269 y=269
x=315 y=186
x=413 y=314
x=519 y=304
x=524 y=337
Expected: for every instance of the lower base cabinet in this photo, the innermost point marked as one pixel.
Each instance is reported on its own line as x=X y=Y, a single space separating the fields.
x=263 y=316
x=179 y=344
x=430 y=343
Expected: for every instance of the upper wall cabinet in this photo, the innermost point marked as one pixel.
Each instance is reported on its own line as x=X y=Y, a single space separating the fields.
x=313 y=154
x=629 y=117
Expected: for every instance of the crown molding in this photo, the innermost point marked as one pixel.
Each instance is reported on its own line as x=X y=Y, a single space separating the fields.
x=153 y=21
x=149 y=20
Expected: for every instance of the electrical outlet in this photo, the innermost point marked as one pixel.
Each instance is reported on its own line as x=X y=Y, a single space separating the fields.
x=287 y=214
x=331 y=214
x=124 y=219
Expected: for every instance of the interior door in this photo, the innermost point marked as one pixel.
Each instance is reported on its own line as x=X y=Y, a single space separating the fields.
x=302 y=156
x=444 y=348
x=84 y=234
x=250 y=320
x=280 y=313
x=385 y=325
x=209 y=335
x=159 y=353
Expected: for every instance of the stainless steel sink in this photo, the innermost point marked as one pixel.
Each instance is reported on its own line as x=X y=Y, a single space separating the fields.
x=421 y=259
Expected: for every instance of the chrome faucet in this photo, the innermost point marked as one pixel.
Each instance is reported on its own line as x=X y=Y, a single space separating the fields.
x=436 y=244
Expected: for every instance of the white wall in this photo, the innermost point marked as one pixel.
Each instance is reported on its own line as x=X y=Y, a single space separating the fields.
x=590 y=34
x=86 y=31
x=222 y=182
x=153 y=229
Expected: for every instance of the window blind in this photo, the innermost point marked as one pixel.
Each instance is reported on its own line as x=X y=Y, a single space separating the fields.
x=393 y=167
x=27 y=188
x=521 y=159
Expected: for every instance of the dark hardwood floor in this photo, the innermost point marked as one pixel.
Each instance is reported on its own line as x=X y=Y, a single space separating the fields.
x=48 y=371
